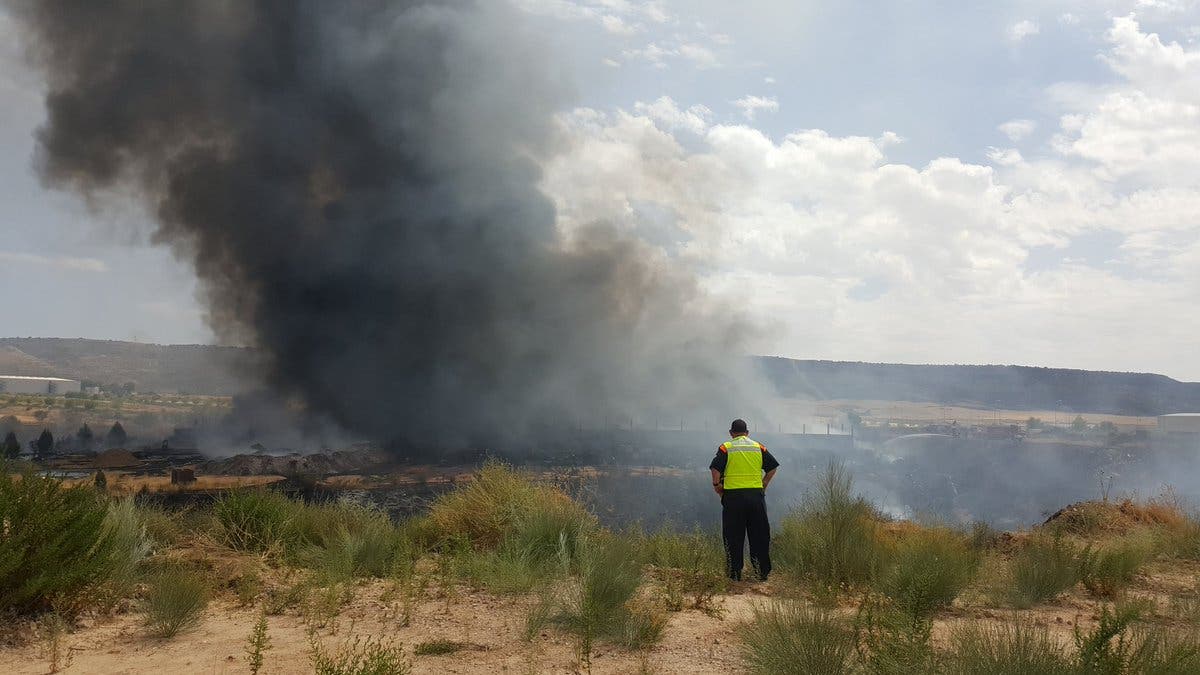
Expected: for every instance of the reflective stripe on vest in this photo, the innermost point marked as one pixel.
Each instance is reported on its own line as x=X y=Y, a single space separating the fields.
x=743 y=463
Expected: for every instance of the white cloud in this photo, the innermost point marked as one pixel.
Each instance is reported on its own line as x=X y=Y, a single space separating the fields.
x=1004 y=156
x=668 y=114
x=698 y=54
x=750 y=105
x=1068 y=19
x=1023 y=29
x=1017 y=129
x=63 y=263
x=768 y=80
x=791 y=227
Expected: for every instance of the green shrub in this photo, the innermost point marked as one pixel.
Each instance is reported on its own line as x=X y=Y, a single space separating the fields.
x=59 y=544
x=893 y=642
x=599 y=604
x=508 y=570
x=257 y=521
x=930 y=568
x=500 y=503
x=360 y=656
x=1043 y=568
x=175 y=600
x=791 y=638
x=125 y=526
x=832 y=538
x=1119 y=645
x=1007 y=649
x=1105 y=571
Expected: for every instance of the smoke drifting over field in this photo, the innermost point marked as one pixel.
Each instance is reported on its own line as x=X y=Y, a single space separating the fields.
x=355 y=184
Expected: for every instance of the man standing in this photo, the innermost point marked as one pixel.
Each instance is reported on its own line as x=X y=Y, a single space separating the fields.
x=741 y=472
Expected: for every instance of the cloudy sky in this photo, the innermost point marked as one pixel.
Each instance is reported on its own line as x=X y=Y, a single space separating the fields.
x=921 y=183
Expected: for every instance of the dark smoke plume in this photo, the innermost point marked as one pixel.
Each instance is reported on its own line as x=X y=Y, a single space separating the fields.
x=356 y=184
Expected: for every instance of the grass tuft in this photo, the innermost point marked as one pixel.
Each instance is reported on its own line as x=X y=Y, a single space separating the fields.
x=175 y=600
x=1105 y=571
x=1043 y=568
x=790 y=638
x=1018 y=648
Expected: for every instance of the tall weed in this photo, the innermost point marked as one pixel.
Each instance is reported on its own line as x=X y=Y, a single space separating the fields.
x=832 y=539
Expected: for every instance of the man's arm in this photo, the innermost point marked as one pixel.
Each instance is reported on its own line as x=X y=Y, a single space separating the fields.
x=770 y=464
x=717 y=469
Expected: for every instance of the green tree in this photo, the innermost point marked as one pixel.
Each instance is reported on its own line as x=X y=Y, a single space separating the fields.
x=9 y=423
x=1033 y=423
x=1079 y=424
x=44 y=445
x=116 y=436
x=85 y=436
x=11 y=446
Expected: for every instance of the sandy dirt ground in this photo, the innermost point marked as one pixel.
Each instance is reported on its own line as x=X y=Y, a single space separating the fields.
x=491 y=627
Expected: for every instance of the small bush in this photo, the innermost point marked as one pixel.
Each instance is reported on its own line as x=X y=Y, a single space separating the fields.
x=501 y=503
x=892 y=642
x=358 y=657
x=931 y=567
x=1006 y=649
x=1118 y=645
x=439 y=647
x=257 y=521
x=832 y=538
x=175 y=601
x=1105 y=571
x=59 y=545
x=509 y=570
x=791 y=638
x=1045 y=567
x=599 y=605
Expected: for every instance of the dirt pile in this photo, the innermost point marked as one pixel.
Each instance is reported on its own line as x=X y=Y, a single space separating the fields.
x=1092 y=517
x=356 y=460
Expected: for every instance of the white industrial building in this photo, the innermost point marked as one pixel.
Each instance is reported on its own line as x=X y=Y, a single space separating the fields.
x=1179 y=423
x=23 y=384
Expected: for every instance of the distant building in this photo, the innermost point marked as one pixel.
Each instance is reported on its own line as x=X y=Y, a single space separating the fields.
x=1179 y=423
x=22 y=384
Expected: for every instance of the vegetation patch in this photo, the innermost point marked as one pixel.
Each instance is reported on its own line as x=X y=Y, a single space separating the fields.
x=174 y=601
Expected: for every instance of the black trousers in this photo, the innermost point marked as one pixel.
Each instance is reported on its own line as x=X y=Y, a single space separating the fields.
x=744 y=512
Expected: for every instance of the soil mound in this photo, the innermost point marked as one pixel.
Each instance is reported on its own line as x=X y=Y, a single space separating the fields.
x=116 y=458
x=1093 y=517
x=322 y=463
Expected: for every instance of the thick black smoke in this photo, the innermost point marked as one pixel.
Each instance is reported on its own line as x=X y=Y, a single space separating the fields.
x=355 y=183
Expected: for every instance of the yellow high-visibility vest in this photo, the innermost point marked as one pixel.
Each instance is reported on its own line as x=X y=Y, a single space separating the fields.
x=743 y=463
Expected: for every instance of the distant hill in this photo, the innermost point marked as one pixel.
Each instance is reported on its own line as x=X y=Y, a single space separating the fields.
x=1012 y=387
x=207 y=369
x=186 y=369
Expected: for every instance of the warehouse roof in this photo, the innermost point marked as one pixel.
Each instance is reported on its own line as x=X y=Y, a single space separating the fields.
x=31 y=377
x=1181 y=415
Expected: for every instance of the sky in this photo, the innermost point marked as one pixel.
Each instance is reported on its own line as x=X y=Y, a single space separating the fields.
x=920 y=182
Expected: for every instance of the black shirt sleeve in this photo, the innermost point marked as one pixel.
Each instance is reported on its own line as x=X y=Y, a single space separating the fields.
x=769 y=462
x=718 y=463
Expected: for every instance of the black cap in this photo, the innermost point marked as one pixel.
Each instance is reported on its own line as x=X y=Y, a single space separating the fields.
x=738 y=427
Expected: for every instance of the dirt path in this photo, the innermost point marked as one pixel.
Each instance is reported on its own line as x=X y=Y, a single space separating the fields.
x=693 y=642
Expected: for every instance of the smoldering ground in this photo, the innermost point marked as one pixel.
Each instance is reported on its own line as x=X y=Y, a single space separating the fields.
x=355 y=184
